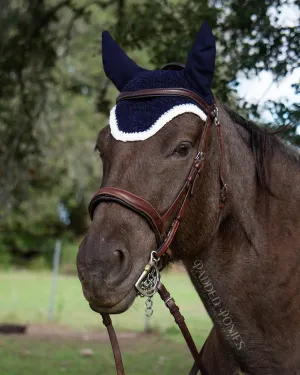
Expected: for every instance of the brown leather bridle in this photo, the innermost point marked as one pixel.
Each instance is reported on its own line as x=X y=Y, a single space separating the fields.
x=159 y=222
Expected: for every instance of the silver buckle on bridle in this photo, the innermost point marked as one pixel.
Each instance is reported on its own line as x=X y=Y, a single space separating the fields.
x=149 y=279
x=216 y=116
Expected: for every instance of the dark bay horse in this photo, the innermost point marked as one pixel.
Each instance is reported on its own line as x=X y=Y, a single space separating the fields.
x=244 y=260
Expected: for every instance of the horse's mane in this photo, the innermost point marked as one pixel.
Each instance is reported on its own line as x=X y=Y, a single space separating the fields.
x=262 y=142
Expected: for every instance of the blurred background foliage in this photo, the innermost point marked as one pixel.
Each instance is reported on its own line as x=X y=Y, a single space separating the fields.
x=54 y=97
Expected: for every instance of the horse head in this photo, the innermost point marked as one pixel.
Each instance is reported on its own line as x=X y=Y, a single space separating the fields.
x=155 y=141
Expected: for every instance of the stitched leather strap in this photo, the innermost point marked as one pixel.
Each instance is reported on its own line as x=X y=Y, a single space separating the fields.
x=180 y=204
x=195 y=368
x=132 y=201
x=114 y=343
x=151 y=93
x=180 y=321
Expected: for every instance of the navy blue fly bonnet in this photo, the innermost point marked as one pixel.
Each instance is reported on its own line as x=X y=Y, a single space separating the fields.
x=138 y=119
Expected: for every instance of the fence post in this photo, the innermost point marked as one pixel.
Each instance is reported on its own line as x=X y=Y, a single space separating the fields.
x=148 y=314
x=147 y=328
x=56 y=261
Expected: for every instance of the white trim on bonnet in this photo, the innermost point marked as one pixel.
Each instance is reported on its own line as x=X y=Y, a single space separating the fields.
x=159 y=123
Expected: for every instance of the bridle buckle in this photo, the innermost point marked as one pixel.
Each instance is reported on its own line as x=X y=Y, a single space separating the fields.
x=215 y=114
x=149 y=279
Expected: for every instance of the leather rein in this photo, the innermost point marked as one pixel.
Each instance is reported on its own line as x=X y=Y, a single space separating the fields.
x=149 y=281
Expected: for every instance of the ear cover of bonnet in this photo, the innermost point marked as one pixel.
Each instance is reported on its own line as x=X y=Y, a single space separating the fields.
x=135 y=120
x=118 y=67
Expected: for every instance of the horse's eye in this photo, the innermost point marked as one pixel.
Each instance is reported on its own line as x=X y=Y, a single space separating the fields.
x=183 y=149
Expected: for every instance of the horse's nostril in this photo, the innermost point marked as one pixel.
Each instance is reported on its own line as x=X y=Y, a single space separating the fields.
x=122 y=261
x=108 y=264
x=120 y=255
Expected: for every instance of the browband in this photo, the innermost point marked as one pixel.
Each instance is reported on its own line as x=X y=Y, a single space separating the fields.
x=152 y=93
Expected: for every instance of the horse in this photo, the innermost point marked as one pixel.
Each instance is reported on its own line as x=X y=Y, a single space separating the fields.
x=238 y=237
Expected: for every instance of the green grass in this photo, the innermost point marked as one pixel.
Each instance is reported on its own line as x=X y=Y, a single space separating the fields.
x=21 y=356
x=24 y=298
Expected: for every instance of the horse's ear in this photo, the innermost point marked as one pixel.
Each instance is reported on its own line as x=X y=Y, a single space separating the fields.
x=118 y=67
x=200 y=66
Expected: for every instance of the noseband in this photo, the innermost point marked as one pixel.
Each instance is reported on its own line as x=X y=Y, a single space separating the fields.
x=149 y=281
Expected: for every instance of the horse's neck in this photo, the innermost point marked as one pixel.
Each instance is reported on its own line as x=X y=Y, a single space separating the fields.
x=250 y=276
